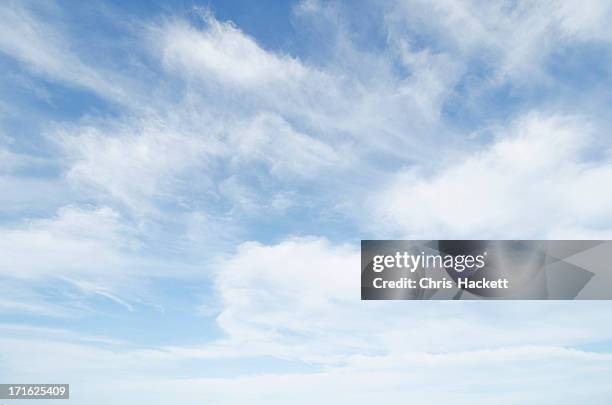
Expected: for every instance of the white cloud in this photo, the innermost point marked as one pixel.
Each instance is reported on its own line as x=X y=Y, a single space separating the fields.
x=143 y=164
x=515 y=39
x=75 y=242
x=545 y=373
x=544 y=382
x=45 y=51
x=61 y=266
x=299 y=300
x=270 y=139
x=537 y=179
x=272 y=115
x=275 y=299
x=137 y=162
x=355 y=102
x=224 y=53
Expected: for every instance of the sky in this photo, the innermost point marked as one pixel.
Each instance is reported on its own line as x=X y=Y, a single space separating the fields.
x=184 y=185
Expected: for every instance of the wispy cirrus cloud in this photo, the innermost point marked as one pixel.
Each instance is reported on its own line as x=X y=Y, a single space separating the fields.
x=43 y=49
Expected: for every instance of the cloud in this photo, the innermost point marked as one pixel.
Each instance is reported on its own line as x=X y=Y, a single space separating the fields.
x=76 y=241
x=277 y=299
x=225 y=53
x=513 y=40
x=208 y=130
x=44 y=50
x=421 y=385
x=271 y=140
x=545 y=373
x=537 y=178
x=138 y=162
x=342 y=103
x=299 y=300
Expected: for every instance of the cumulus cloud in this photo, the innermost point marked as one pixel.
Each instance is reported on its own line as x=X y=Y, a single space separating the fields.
x=536 y=179
x=278 y=298
x=299 y=300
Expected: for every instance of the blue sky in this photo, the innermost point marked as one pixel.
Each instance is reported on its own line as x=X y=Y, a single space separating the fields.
x=183 y=188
